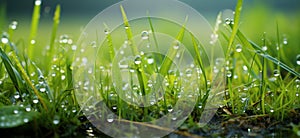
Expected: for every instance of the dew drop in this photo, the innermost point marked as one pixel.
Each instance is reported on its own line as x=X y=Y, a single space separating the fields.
x=32 y=42
x=106 y=31
x=264 y=48
x=271 y=110
x=13 y=25
x=285 y=41
x=28 y=109
x=239 y=48
x=63 y=77
x=17 y=96
x=227 y=21
x=25 y=120
x=170 y=108
x=110 y=118
x=229 y=74
x=56 y=120
x=63 y=39
x=276 y=73
x=38 y=2
x=42 y=89
x=137 y=60
x=135 y=87
x=298 y=59
x=176 y=44
x=188 y=72
x=145 y=35
x=150 y=60
x=4 y=39
x=16 y=111
x=35 y=101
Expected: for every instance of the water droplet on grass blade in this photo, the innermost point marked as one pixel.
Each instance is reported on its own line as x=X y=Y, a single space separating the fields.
x=264 y=48
x=13 y=25
x=25 y=120
x=110 y=118
x=298 y=59
x=188 y=72
x=38 y=2
x=229 y=74
x=145 y=35
x=56 y=120
x=239 y=48
x=16 y=111
x=4 y=39
x=35 y=101
x=176 y=44
x=138 y=60
x=276 y=73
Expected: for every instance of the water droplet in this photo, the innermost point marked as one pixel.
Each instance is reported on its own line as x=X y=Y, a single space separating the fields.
x=42 y=89
x=227 y=21
x=38 y=2
x=298 y=59
x=135 y=87
x=170 y=108
x=32 y=42
x=145 y=35
x=16 y=111
x=229 y=74
x=74 y=47
x=137 y=60
x=188 y=72
x=239 y=48
x=150 y=83
x=35 y=101
x=13 y=25
x=17 y=96
x=264 y=48
x=63 y=39
x=276 y=73
x=176 y=44
x=285 y=41
x=297 y=94
x=63 y=77
x=110 y=118
x=56 y=120
x=106 y=31
x=271 y=110
x=4 y=39
x=200 y=105
x=150 y=60
x=25 y=120
x=28 y=109
x=214 y=38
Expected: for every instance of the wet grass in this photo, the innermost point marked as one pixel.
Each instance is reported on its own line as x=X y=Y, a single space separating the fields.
x=261 y=91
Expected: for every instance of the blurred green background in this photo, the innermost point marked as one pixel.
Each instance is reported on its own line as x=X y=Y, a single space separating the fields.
x=257 y=17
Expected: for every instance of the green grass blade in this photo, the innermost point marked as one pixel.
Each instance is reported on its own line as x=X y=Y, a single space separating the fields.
x=167 y=61
x=10 y=69
x=129 y=32
x=110 y=43
x=56 y=20
x=34 y=27
x=24 y=75
x=235 y=26
x=198 y=58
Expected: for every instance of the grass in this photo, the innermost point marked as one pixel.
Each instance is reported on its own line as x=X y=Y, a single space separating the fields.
x=260 y=80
